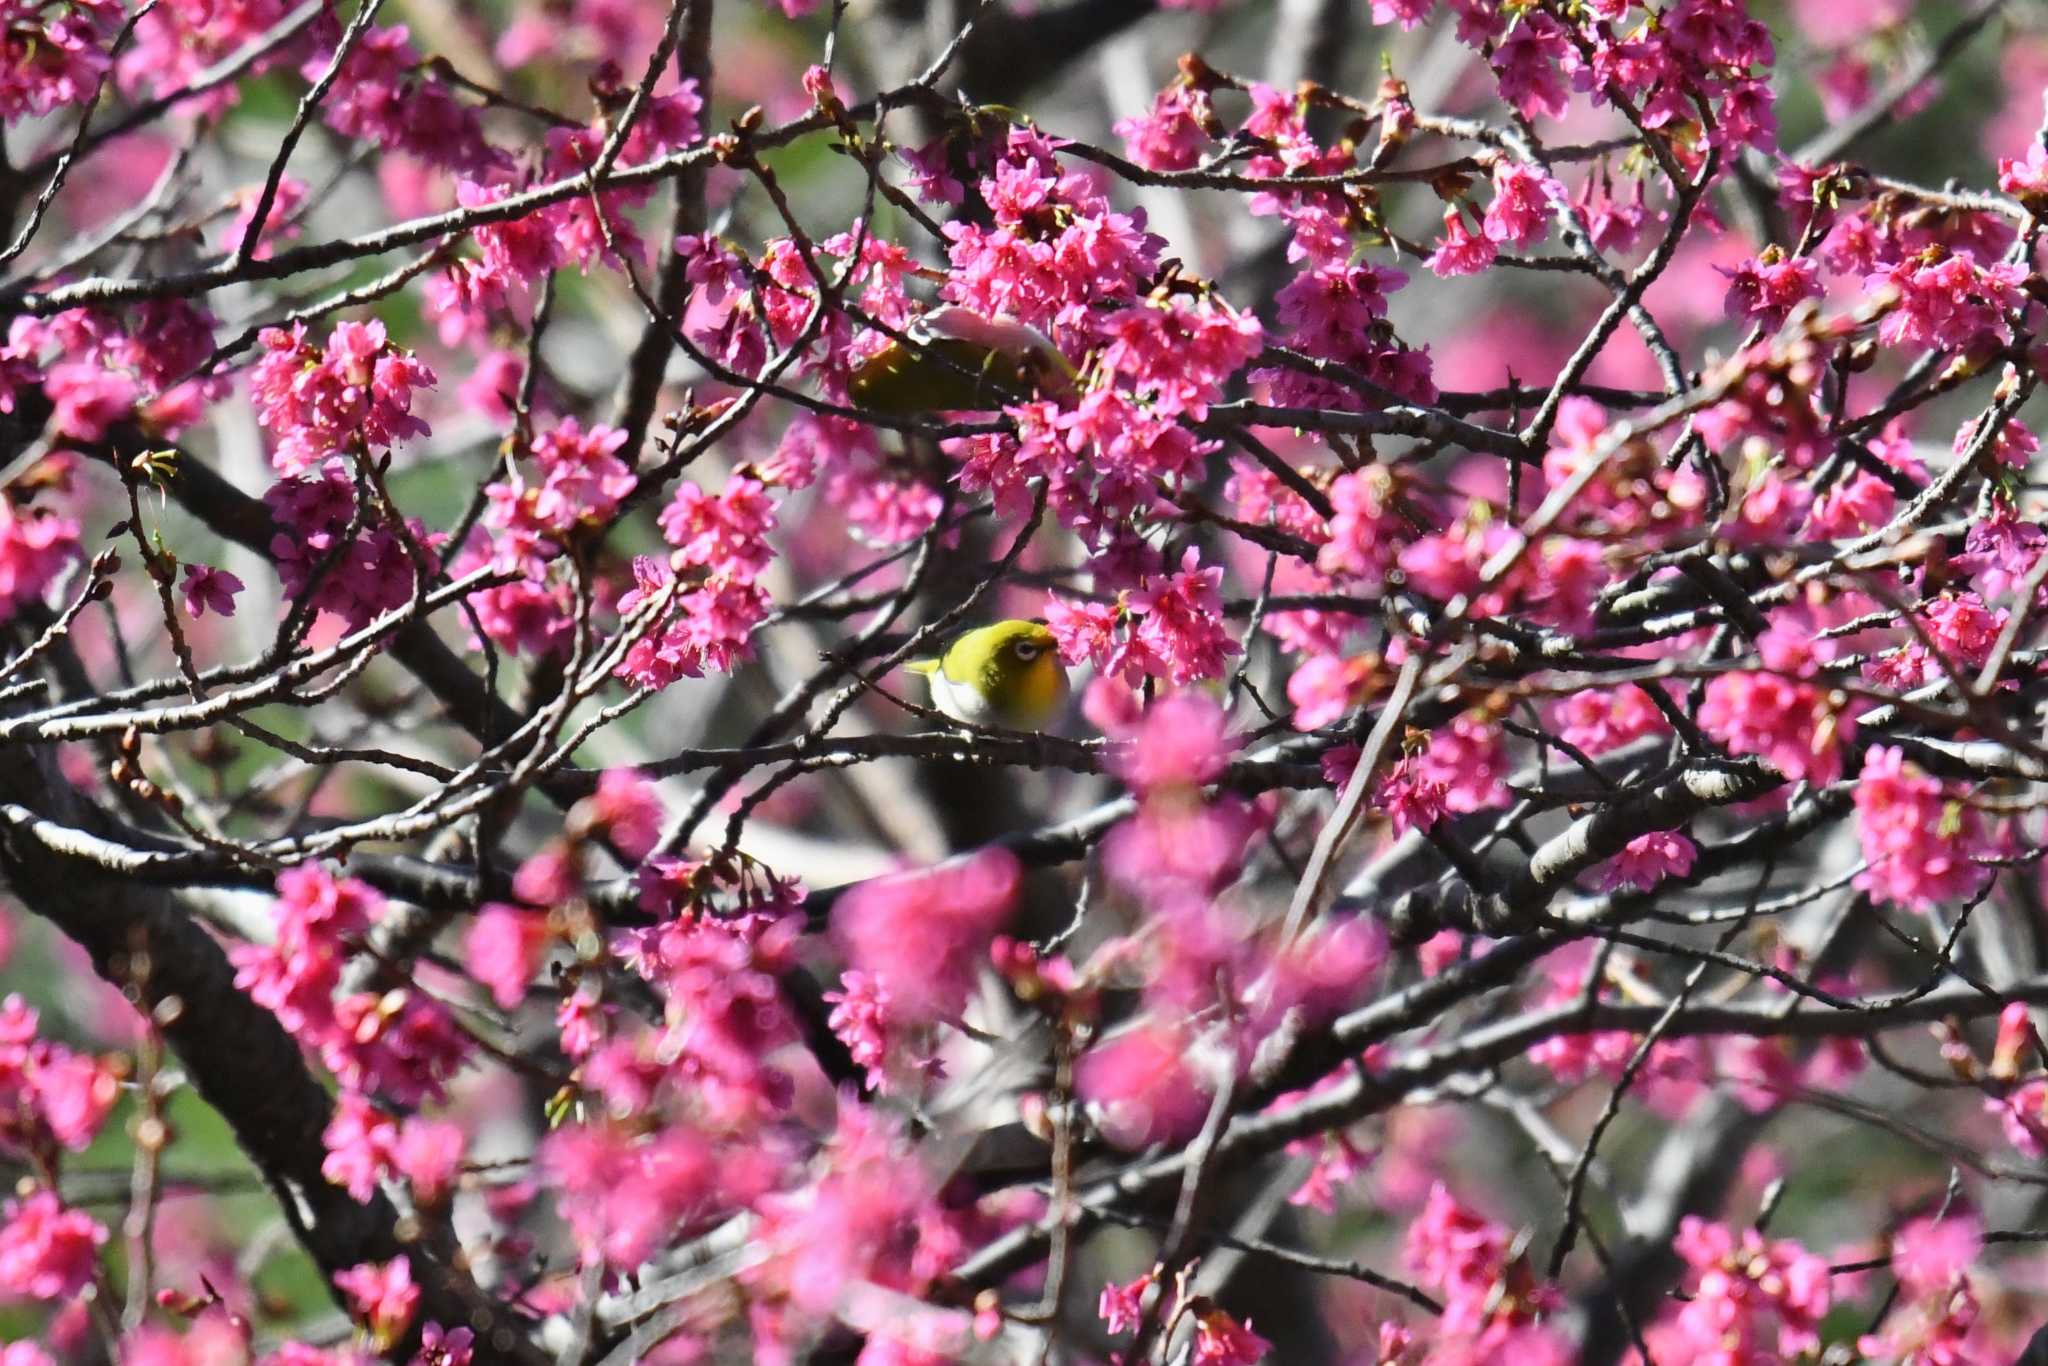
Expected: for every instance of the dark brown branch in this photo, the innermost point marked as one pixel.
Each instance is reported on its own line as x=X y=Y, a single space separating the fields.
x=239 y=1057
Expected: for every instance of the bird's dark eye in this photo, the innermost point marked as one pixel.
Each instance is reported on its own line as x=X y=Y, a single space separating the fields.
x=1027 y=651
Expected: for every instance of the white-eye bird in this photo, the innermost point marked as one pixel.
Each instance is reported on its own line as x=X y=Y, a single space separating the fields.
x=1007 y=675
x=961 y=362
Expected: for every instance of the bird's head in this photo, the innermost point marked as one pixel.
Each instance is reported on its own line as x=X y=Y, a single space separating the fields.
x=1015 y=666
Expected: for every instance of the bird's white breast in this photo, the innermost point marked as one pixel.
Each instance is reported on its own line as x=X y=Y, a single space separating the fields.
x=958 y=700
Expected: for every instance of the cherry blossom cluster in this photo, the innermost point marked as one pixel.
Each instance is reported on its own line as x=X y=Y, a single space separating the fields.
x=400 y=1043
x=1542 y=861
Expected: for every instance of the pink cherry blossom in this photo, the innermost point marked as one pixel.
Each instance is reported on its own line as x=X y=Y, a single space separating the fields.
x=361 y=1141
x=1950 y=302
x=1143 y=1085
x=1172 y=135
x=728 y=531
x=1930 y=1255
x=1789 y=723
x=90 y=400
x=72 y=1093
x=1179 y=633
x=1464 y=1258
x=444 y=1347
x=384 y=1297
x=1460 y=771
x=326 y=558
x=212 y=589
x=1121 y=1306
x=1367 y=531
x=504 y=945
x=725 y=1012
x=861 y=1019
x=1338 y=314
x=865 y=1211
x=53 y=57
x=36 y=546
x=400 y=1043
x=1407 y=13
x=1462 y=251
x=1852 y=507
x=1961 y=632
x=1324 y=688
x=317 y=917
x=621 y=1194
x=1519 y=214
x=1221 y=1340
x=353 y=395
x=493 y=387
x=1170 y=627
x=1920 y=836
x=923 y=934
x=1528 y=67
x=581 y=482
x=1648 y=860
x=626 y=810
x=708 y=628
x=47 y=1252
x=1766 y=288
x=429 y=1156
x=1181 y=742
x=387 y=99
x=1750 y=1295
x=2025 y=177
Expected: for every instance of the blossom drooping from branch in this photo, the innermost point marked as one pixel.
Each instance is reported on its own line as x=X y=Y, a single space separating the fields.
x=53 y=55
x=1752 y=1298
x=1173 y=134
x=331 y=553
x=1523 y=199
x=1171 y=626
x=210 y=590
x=1937 y=1317
x=1491 y=1296
x=1648 y=860
x=383 y=95
x=351 y=396
x=582 y=481
x=925 y=934
x=1764 y=289
x=47 y=1252
x=384 y=1297
x=713 y=603
x=1920 y=836
x=1462 y=251
x=36 y=546
x=49 y=1092
x=1790 y=723
x=400 y=1042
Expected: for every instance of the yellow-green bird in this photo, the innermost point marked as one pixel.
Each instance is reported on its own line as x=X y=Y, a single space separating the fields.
x=961 y=362
x=1008 y=675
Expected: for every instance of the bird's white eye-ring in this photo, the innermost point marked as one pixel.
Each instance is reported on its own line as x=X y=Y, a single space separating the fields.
x=1027 y=651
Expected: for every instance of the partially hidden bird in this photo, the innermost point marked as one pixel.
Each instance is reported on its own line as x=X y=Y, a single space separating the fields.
x=1007 y=675
x=960 y=362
